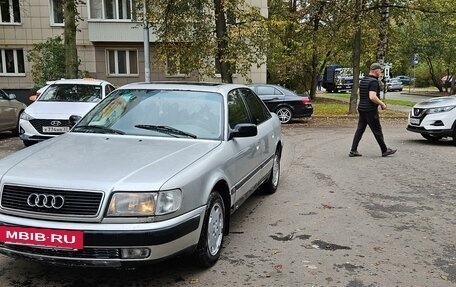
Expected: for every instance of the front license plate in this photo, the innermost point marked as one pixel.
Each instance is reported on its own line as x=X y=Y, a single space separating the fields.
x=414 y=121
x=55 y=129
x=66 y=239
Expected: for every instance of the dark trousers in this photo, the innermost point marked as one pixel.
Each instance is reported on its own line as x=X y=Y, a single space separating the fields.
x=372 y=120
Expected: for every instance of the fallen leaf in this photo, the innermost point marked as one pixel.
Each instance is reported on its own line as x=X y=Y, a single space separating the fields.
x=378 y=249
x=278 y=268
x=327 y=206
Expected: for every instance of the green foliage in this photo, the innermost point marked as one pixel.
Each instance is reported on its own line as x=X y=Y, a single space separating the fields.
x=429 y=30
x=187 y=31
x=47 y=62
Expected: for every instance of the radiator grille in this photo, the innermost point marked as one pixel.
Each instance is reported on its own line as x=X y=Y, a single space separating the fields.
x=93 y=253
x=38 y=124
x=77 y=203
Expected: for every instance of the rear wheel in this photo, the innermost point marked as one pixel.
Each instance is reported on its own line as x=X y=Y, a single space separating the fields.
x=284 y=114
x=432 y=138
x=210 y=243
x=270 y=185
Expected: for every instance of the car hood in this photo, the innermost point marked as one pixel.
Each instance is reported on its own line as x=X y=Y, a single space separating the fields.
x=437 y=102
x=101 y=162
x=58 y=110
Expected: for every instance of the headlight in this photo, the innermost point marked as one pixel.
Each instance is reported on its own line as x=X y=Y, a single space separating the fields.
x=168 y=201
x=440 y=109
x=26 y=117
x=144 y=203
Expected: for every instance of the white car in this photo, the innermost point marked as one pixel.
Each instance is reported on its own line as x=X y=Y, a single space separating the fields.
x=434 y=119
x=49 y=115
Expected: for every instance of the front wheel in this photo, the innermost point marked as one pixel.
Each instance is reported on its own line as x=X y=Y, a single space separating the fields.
x=210 y=243
x=284 y=114
x=454 y=136
x=270 y=185
x=16 y=129
x=29 y=143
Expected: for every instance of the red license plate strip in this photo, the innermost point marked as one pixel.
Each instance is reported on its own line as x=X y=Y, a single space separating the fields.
x=67 y=239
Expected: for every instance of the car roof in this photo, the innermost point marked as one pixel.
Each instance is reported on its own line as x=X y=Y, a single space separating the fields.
x=84 y=81
x=190 y=86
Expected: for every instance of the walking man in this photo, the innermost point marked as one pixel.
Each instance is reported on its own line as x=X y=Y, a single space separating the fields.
x=369 y=103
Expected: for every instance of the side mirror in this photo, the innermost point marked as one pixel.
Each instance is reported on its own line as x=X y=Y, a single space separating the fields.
x=11 y=96
x=243 y=131
x=74 y=119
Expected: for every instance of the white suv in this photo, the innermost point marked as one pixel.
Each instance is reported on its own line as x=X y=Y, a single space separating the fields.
x=434 y=119
x=49 y=115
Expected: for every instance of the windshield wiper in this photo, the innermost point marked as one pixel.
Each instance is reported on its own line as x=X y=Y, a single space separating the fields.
x=166 y=130
x=99 y=128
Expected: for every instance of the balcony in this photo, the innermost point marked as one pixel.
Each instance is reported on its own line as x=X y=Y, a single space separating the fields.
x=117 y=31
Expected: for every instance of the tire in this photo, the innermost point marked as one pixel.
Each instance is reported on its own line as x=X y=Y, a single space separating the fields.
x=432 y=138
x=28 y=143
x=270 y=185
x=15 y=131
x=211 y=239
x=284 y=114
x=454 y=136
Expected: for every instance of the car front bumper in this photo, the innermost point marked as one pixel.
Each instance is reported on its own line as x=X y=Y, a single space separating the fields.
x=434 y=132
x=103 y=243
x=27 y=132
x=439 y=124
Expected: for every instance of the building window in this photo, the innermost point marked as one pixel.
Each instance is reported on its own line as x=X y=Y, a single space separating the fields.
x=9 y=11
x=122 y=62
x=11 y=62
x=110 y=9
x=57 y=12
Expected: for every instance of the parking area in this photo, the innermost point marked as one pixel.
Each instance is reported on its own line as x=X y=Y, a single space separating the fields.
x=334 y=221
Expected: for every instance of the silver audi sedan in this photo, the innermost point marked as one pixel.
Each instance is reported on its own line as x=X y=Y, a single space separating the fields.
x=153 y=170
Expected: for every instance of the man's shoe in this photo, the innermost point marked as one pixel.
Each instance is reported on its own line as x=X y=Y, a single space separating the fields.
x=354 y=153
x=389 y=151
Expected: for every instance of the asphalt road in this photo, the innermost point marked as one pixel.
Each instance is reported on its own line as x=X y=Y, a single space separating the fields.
x=335 y=221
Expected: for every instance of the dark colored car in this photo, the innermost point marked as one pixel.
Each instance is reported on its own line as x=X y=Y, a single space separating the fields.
x=285 y=103
x=406 y=80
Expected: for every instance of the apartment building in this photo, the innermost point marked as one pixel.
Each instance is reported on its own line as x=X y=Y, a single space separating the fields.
x=110 y=46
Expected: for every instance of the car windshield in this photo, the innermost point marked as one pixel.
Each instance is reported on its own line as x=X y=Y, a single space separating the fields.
x=72 y=93
x=169 y=113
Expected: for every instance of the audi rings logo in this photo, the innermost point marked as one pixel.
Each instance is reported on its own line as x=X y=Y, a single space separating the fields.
x=45 y=200
x=56 y=123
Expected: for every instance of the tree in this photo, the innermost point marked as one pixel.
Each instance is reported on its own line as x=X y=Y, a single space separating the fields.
x=305 y=37
x=205 y=35
x=71 y=17
x=46 y=60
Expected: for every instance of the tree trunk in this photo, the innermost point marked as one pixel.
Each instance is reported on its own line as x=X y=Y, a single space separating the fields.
x=222 y=42
x=356 y=58
x=383 y=37
x=71 y=53
x=315 y=71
